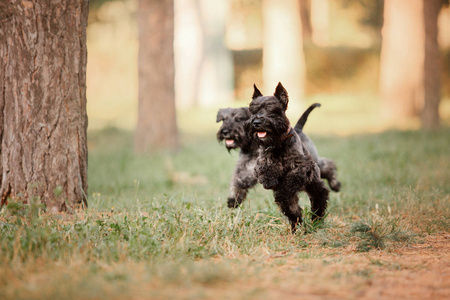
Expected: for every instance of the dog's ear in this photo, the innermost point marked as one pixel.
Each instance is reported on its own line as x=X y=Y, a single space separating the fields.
x=246 y=111
x=220 y=115
x=256 y=92
x=282 y=95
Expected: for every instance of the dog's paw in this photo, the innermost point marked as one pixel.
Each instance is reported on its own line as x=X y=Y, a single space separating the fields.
x=232 y=203
x=335 y=185
x=269 y=183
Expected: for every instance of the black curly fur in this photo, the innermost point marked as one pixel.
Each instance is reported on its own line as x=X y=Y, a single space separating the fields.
x=284 y=163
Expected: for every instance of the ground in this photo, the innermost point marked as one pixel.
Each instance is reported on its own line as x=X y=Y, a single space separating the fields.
x=420 y=271
x=158 y=227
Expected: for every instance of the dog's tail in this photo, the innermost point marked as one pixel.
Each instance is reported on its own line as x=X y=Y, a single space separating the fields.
x=301 y=122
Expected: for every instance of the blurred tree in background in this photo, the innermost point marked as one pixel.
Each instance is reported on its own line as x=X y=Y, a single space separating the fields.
x=283 y=58
x=305 y=17
x=156 y=126
x=430 y=117
x=410 y=60
x=372 y=13
x=221 y=48
x=43 y=121
x=204 y=66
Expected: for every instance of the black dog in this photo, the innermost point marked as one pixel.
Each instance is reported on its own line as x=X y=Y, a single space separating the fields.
x=233 y=133
x=284 y=163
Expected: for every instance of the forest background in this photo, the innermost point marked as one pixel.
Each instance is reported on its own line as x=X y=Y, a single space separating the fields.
x=157 y=226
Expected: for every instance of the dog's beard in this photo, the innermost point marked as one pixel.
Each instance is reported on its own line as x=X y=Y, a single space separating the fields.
x=231 y=141
x=270 y=135
x=264 y=138
x=231 y=144
x=261 y=134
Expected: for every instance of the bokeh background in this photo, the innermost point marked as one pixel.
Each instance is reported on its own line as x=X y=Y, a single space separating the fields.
x=219 y=46
x=157 y=224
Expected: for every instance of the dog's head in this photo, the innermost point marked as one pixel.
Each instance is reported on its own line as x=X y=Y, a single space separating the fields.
x=268 y=122
x=232 y=129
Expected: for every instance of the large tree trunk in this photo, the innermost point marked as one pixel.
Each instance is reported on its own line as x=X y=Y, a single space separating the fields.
x=283 y=57
x=43 y=119
x=409 y=64
x=432 y=83
x=156 y=128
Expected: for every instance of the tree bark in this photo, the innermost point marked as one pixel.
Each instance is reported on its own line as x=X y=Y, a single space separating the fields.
x=43 y=119
x=156 y=128
x=432 y=84
x=283 y=57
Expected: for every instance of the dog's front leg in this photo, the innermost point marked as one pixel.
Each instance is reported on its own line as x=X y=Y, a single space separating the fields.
x=287 y=200
x=318 y=195
x=238 y=192
x=268 y=175
x=244 y=178
x=269 y=181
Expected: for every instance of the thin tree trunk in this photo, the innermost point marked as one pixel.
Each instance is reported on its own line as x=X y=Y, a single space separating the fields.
x=283 y=57
x=156 y=128
x=305 y=16
x=320 y=22
x=432 y=84
x=43 y=119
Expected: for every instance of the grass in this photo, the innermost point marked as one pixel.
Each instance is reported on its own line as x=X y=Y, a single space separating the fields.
x=158 y=226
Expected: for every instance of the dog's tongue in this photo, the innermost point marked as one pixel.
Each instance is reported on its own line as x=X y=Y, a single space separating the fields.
x=229 y=142
x=262 y=134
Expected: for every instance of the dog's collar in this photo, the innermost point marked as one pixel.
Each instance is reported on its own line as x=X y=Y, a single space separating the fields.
x=289 y=133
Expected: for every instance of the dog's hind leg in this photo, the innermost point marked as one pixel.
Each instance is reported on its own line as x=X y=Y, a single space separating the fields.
x=328 y=171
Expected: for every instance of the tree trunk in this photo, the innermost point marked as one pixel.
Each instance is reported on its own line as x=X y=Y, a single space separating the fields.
x=401 y=62
x=156 y=128
x=283 y=57
x=203 y=62
x=43 y=119
x=432 y=84
x=305 y=17
x=409 y=64
x=320 y=22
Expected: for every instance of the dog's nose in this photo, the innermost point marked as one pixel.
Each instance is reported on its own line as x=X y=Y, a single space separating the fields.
x=256 y=122
x=225 y=131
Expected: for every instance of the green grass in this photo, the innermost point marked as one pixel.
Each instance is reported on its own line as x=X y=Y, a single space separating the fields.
x=162 y=219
